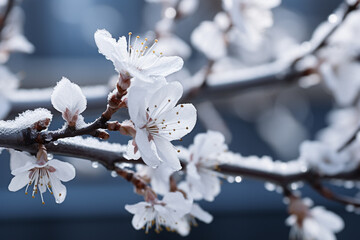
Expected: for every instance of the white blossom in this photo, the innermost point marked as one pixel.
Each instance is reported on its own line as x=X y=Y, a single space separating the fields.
x=185 y=223
x=171 y=44
x=202 y=182
x=68 y=99
x=158 y=121
x=8 y=83
x=342 y=78
x=44 y=174
x=167 y=212
x=12 y=38
x=251 y=17
x=136 y=59
x=159 y=177
x=312 y=224
x=325 y=159
x=209 y=38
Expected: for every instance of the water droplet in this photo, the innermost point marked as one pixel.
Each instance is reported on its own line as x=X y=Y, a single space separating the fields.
x=270 y=186
x=333 y=18
x=350 y=208
x=170 y=12
x=230 y=179
x=114 y=174
x=95 y=164
x=294 y=186
x=238 y=179
x=50 y=156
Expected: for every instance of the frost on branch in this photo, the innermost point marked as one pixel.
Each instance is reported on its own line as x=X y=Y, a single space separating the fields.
x=43 y=173
x=28 y=119
x=68 y=99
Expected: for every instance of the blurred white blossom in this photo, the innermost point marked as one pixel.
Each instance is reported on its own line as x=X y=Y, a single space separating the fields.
x=251 y=18
x=316 y=223
x=325 y=159
x=8 y=83
x=159 y=177
x=209 y=38
x=12 y=38
x=166 y=213
x=185 y=223
x=201 y=181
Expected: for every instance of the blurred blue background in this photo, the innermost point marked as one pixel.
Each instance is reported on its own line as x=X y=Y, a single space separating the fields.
x=62 y=32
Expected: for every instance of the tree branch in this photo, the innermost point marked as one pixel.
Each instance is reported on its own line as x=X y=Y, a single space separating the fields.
x=9 y=6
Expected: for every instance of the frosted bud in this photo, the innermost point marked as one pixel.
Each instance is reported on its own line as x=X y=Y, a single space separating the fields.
x=68 y=99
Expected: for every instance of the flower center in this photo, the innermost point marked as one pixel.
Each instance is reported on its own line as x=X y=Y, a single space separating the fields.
x=142 y=55
x=41 y=180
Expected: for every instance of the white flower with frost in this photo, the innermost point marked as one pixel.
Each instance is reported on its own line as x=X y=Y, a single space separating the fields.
x=201 y=181
x=312 y=224
x=325 y=159
x=68 y=99
x=137 y=59
x=44 y=174
x=167 y=212
x=12 y=38
x=251 y=18
x=158 y=121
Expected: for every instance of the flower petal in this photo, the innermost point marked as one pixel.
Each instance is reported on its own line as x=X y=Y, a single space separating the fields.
x=147 y=148
x=164 y=66
x=179 y=121
x=59 y=190
x=167 y=153
x=106 y=44
x=176 y=201
x=64 y=171
x=68 y=95
x=142 y=214
x=164 y=99
x=19 y=181
x=328 y=219
x=200 y=214
x=136 y=105
x=19 y=159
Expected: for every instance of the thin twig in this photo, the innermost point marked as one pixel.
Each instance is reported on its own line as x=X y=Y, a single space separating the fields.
x=9 y=6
